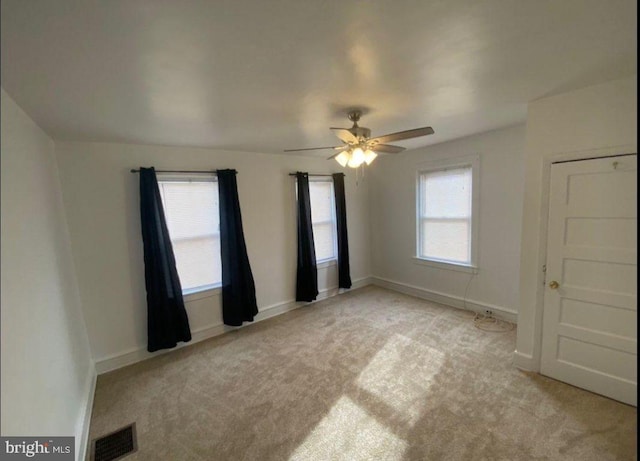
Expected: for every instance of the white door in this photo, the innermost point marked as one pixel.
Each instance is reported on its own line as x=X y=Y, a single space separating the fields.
x=589 y=336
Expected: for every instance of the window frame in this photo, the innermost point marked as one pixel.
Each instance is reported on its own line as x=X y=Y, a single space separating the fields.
x=445 y=164
x=202 y=291
x=321 y=263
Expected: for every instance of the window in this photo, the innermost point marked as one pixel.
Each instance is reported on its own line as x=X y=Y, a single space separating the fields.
x=192 y=215
x=323 y=219
x=447 y=209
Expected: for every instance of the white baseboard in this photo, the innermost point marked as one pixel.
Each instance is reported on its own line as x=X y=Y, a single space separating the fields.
x=500 y=312
x=136 y=355
x=525 y=362
x=82 y=446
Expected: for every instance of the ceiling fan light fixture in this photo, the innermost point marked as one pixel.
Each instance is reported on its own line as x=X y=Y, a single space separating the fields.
x=369 y=156
x=343 y=158
x=357 y=158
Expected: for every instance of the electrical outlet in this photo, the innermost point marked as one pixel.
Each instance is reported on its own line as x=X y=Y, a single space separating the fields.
x=488 y=313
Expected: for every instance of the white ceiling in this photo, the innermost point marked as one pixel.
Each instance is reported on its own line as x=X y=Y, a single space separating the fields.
x=263 y=76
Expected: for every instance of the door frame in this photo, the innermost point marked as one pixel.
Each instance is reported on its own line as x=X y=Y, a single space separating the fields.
x=533 y=363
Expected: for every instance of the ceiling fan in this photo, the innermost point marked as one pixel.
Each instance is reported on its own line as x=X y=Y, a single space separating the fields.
x=359 y=147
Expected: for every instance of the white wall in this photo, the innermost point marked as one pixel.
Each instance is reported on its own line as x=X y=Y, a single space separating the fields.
x=393 y=223
x=594 y=121
x=47 y=371
x=102 y=201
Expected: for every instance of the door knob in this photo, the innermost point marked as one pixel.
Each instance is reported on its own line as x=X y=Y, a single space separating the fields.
x=553 y=284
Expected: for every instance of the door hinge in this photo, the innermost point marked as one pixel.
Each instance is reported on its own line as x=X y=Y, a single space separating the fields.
x=544 y=271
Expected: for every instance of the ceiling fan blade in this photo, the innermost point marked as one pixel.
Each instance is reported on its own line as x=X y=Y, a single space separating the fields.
x=344 y=134
x=339 y=150
x=388 y=148
x=313 y=148
x=415 y=133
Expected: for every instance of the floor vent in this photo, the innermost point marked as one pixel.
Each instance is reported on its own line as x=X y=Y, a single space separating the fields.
x=116 y=445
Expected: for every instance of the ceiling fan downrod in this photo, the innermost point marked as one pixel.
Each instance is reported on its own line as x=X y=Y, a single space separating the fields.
x=354 y=116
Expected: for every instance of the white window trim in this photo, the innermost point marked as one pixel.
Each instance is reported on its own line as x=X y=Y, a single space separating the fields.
x=326 y=263
x=204 y=291
x=447 y=265
x=208 y=291
x=188 y=177
x=445 y=164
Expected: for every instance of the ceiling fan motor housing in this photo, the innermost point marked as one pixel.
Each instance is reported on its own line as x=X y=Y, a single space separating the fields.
x=360 y=132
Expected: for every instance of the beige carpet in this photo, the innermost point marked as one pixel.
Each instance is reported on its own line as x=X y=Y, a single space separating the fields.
x=368 y=375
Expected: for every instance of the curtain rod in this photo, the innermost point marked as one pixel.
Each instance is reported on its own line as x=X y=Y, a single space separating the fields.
x=214 y=172
x=179 y=171
x=294 y=174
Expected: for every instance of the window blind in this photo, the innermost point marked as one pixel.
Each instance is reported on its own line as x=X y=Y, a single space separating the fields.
x=192 y=215
x=445 y=215
x=323 y=219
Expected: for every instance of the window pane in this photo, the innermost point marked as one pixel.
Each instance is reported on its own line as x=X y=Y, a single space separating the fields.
x=446 y=240
x=446 y=193
x=321 y=200
x=323 y=240
x=191 y=208
x=198 y=261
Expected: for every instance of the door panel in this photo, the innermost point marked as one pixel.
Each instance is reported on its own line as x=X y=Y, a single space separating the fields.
x=590 y=317
x=599 y=275
x=594 y=196
x=598 y=359
x=588 y=232
x=606 y=318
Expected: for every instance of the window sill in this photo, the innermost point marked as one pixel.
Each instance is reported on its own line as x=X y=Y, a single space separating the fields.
x=446 y=265
x=326 y=263
x=207 y=292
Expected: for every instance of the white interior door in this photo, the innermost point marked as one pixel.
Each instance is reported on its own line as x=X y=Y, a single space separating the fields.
x=589 y=336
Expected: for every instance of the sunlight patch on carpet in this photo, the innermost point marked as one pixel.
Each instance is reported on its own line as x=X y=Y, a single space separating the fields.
x=400 y=375
x=348 y=432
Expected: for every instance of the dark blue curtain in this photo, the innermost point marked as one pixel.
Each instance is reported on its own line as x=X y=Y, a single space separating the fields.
x=344 y=277
x=238 y=288
x=307 y=272
x=167 y=321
